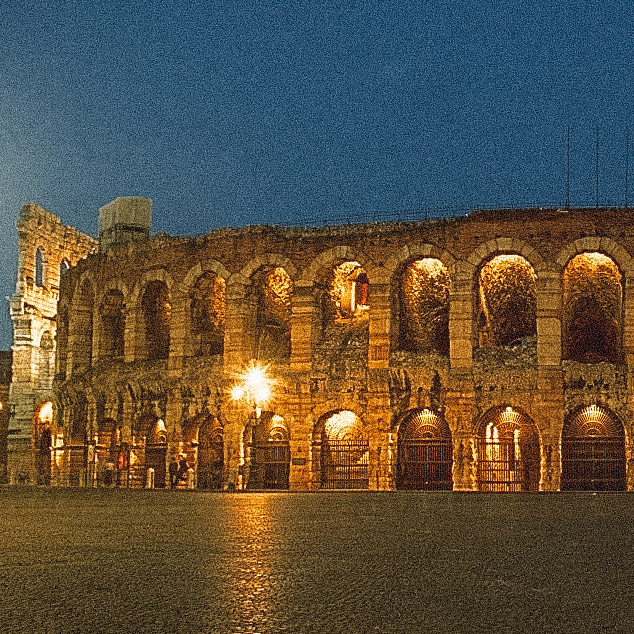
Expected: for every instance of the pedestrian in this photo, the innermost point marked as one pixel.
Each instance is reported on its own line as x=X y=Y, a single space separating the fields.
x=173 y=472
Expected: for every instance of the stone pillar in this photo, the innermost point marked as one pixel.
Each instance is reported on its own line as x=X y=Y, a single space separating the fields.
x=550 y=403
x=131 y=348
x=236 y=350
x=380 y=316
x=179 y=333
x=235 y=458
x=461 y=319
x=302 y=317
x=459 y=414
x=628 y=320
x=549 y=319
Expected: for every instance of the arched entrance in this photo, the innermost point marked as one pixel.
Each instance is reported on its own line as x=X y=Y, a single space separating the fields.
x=508 y=452
x=593 y=451
x=344 y=451
x=156 y=453
x=272 y=459
x=211 y=454
x=43 y=442
x=424 y=457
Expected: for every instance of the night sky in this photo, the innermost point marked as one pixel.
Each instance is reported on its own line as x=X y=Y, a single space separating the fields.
x=233 y=113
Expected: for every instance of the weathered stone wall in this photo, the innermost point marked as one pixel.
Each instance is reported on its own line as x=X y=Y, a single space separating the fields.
x=355 y=365
x=5 y=381
x=33 y=309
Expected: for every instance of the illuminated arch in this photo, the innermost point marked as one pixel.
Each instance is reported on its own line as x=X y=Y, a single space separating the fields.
x=593 y=297
x=506 y=300
x=343 y=450
x=508 y=451
x=423 y=296
x=424 y=456
x=593 y=451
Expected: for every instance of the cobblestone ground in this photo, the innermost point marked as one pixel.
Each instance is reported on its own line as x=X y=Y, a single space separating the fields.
x=187 y=562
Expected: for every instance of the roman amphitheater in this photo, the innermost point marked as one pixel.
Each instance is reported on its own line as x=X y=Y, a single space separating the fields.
x=487 y=352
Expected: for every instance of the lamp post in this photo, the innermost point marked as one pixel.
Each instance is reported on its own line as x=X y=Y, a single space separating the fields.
x=254 y=389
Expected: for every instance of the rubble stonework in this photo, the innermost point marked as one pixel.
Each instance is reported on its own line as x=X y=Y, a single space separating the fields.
x=33 y=310
x=139 y=383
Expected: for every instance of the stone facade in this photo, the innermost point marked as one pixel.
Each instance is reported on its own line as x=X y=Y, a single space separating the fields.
x=521 y=361
x=46 y=249
x=5 y=382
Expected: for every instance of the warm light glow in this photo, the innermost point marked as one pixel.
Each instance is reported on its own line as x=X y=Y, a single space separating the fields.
x=254 y=386
x=46 y=413
x=343 y=425
x=237 y=392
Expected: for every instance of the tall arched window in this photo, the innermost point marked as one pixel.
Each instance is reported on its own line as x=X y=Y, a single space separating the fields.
x=156 y=308
x=507 y=301
x=424 y=307
x=39 y=267
x=593 y=304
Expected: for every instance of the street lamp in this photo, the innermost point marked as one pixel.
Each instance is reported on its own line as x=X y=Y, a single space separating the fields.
x=254 y=389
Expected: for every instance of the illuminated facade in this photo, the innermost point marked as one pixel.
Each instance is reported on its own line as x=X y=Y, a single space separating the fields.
x=491 y=352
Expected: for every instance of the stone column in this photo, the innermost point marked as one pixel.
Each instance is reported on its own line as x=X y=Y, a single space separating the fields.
x=461 y=320
x=180 y=336
x=380 y=316
x=236 y=350
x=548 y=319
x=302 y=317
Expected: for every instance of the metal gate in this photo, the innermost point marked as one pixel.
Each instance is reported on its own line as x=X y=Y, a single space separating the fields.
x=272 y=460
x=508 y=466
x=593 y=464
x=424 y=465
x=210 y=464
x=344 y=464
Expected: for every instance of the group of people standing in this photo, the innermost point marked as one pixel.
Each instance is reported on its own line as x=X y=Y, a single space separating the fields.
x=177 y=471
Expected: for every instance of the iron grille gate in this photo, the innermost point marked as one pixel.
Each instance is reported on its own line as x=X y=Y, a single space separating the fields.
x=425 y=465
x=593 y=464
x=272 y=460
x=344 y=464
x=504 y=465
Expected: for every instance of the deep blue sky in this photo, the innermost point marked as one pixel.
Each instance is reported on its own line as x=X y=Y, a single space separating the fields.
x=230 y=113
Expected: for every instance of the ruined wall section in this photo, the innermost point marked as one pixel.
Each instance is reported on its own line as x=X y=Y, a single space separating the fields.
x=378 y=387
x=44 y=244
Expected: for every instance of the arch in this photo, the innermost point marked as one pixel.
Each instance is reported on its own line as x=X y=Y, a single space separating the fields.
x=600 y=244
x=422 y=291
x=200 y=268
x=593 y=451
x=112 y=314
x=268 y=260
x=424 y=452
x=81 y=325
x=342 y=445
x=506 y=300
x=325 y=261
x=155 y=275
x=504 y=246
x=508 y=451
x=270 y=454
x=40 y=267
x=207 y=314
x=43 y=442
x=270 y=296
x=155 y=317
x=209 y=440
x=593 y=297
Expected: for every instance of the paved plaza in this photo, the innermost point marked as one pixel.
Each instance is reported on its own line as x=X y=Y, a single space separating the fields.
x=117 y=561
